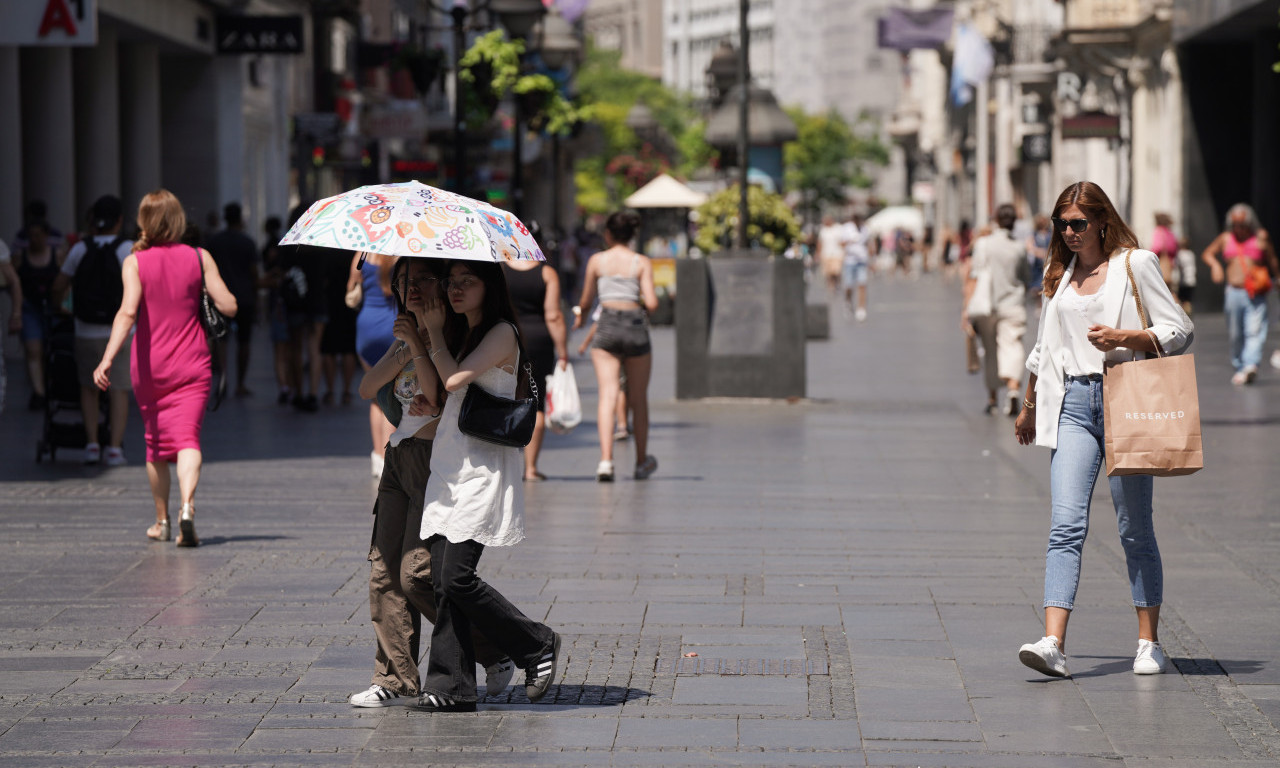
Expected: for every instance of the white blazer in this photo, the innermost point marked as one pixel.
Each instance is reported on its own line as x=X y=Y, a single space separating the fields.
x=1171 y=326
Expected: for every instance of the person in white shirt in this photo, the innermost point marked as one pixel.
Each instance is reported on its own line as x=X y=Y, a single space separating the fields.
x=1000 y=260
x=92 y=297
x=857 y=258
x=830 y=252
x=1090 y=318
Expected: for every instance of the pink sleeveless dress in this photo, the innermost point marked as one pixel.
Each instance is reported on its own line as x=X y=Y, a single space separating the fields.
x=170 y=363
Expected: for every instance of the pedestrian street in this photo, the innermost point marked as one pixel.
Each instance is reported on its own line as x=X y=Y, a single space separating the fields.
x=840 y=581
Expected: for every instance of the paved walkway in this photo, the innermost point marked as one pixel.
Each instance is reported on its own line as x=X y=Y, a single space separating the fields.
x=854 y=573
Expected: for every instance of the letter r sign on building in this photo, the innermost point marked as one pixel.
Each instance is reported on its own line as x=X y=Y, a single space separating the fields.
x=49 y=22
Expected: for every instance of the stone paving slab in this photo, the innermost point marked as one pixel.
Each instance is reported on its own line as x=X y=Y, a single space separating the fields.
x=854 y=573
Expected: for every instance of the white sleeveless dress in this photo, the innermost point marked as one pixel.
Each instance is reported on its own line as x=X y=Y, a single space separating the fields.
x=476 y=489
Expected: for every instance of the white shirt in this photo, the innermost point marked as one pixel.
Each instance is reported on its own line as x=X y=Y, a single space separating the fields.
x=831 y=242
x=855 y=244
x=93 y=330
x=405 y=389
x=1076 y=314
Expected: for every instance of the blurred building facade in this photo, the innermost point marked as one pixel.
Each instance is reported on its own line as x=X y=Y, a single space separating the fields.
x=147 y=101
x=1170 y=105
x=634 y=28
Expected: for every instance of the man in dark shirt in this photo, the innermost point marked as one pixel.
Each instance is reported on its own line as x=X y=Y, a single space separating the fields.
x=237 y=258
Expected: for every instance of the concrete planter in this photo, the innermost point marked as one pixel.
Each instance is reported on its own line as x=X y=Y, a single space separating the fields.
x=740 y=327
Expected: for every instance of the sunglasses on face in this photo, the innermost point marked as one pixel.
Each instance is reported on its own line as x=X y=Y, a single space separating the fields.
x=464 y=283
x=1077 y=225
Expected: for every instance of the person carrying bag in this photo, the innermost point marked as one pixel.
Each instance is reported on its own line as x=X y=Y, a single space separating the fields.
x=1105 y=302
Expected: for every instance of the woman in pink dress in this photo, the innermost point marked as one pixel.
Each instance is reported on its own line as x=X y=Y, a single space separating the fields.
x=170 y=363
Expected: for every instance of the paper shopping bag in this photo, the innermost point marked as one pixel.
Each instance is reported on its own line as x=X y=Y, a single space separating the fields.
x=1151 y=415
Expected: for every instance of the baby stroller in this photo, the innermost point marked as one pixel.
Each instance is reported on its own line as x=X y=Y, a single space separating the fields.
x=63 y=422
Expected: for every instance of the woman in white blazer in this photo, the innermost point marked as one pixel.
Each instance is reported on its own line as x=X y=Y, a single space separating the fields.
x=1090 y=318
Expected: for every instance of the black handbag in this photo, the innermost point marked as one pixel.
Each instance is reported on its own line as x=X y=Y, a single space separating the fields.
x=215 y=323
x=497 y=419
x=216 y=329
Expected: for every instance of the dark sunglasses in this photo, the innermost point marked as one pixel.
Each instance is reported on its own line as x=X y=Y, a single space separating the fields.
x=1077 y=225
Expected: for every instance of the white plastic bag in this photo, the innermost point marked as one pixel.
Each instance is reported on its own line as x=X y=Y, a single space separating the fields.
x=564 y=408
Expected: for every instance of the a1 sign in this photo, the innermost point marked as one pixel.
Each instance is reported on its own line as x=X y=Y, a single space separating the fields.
x=49 y=22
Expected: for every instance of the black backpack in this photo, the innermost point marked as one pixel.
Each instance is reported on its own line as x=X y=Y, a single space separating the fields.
x=98 y=285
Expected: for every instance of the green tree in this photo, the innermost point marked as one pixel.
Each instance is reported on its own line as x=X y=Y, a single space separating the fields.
x=770 y=224
x=628 y=161
x=829 y=156
x=490 y=71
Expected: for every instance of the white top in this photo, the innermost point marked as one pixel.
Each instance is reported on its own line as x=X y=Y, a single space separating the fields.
x=855 y=243
x=405 y=388
x=476 y=489
x=831 y=242
x=93 y=330
x=1076 y=314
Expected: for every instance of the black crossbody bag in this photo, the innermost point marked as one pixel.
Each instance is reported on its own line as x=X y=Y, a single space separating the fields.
x=497 y=419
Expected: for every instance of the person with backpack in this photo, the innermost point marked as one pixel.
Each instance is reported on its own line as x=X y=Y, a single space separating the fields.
x=93 y=272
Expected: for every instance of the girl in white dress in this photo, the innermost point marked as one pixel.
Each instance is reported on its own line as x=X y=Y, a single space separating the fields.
x=475 y=496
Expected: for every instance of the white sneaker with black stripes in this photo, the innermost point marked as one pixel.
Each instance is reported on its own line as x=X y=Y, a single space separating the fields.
x=540 y=676
x=377 y=696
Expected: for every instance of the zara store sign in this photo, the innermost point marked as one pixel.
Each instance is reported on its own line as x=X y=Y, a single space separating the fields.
x=49 y=22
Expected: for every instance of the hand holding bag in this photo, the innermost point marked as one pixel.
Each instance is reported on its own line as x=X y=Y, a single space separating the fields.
x=1151 y=412
x=497 y=419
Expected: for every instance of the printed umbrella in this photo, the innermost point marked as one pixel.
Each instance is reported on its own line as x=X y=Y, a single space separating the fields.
x=413 y=219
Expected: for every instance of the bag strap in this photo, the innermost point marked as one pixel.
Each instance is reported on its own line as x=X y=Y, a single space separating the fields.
x=1142 y=310
x=524 y=361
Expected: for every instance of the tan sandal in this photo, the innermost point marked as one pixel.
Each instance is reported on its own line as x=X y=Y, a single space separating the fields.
x=160 y=531
x=187 y=527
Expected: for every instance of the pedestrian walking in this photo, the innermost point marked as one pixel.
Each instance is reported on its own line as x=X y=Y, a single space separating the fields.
x=857 y=257
x=11 y=284
x=830 y=253
x=1038 y=255
x=400 y=587
x=338 y=343
x=1165 y=245
x=373 y=334
x=277 y=322
x=999 y=269
x=1088 y=320
x=237 y=258
x=623 y=280
x=94 y=270
x=535 y=295
x=170 y=366
x=474 y=496
x=302 y=291
x=1250 y=268
x=37 y=264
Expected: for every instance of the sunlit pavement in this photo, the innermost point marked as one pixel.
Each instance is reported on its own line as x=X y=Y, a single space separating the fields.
x=841 y=581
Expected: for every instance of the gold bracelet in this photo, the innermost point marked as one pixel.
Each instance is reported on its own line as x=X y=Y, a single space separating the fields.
x=1030 y=406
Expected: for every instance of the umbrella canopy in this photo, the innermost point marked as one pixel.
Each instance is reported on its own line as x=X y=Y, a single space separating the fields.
x=896 y=217
x=413 y=219
x=665 y=192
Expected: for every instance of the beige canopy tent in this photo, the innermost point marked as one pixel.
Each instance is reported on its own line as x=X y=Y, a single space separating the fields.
x=665 y=192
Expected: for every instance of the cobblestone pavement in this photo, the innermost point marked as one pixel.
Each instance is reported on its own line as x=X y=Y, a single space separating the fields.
x=855 y=574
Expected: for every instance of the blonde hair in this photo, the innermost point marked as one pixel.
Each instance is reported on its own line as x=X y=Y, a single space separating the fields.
x=161 y=219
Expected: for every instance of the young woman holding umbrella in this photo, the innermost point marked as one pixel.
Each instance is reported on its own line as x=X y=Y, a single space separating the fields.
x=475 y=495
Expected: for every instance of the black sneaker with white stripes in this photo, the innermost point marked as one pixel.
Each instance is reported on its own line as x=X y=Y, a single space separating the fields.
x=434 y=702
x=538 y=678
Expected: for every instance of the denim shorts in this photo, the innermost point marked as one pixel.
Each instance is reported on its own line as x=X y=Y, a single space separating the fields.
x=623 y=332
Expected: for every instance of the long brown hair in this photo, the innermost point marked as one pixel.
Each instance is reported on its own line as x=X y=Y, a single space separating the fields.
x=1095 y=204
x=161 y=219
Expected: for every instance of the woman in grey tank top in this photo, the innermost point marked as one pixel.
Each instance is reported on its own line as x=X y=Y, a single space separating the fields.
x=623 y=281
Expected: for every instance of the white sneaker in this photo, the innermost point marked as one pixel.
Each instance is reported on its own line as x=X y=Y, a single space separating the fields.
x=92 y=453
x=1275 y=359
x=604 y=472
x=115 y=457
x=860 y=315
x=1150 y=659
x=376 y=462
x=1045 y=657
x=497 y=676
x=377 y=696
x=1239 y=379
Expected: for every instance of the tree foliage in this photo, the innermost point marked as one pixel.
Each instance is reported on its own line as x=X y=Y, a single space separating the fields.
x=491 y=71
x=829 y=156
x=677 y=146
x=770 y=222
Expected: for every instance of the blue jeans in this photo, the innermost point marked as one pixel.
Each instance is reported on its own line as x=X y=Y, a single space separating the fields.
x=1246 y=326
x=1073 y=470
